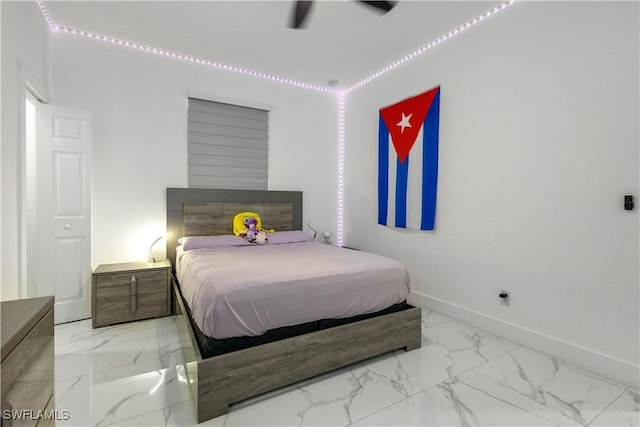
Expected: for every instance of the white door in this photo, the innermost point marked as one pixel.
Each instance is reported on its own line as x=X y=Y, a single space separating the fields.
x=63 y=188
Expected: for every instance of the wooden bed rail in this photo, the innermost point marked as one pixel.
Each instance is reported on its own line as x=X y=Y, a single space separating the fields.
x=229 y=378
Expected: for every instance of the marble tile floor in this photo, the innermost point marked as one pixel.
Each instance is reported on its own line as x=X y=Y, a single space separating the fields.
x=132 y=375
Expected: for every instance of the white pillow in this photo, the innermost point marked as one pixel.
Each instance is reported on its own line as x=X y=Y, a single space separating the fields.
x=294 y=236
x=202 y=242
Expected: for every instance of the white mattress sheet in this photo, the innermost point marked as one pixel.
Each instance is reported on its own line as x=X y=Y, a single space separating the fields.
x=248 y=290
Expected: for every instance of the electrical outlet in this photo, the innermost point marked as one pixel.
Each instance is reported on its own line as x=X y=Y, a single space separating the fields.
x=505 y=297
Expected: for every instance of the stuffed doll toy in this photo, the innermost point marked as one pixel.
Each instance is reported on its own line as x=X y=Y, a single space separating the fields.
x=252 y=228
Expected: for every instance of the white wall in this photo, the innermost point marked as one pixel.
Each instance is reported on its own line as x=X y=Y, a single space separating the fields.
x=539 y=141
x=25 y=58
x=138 y=103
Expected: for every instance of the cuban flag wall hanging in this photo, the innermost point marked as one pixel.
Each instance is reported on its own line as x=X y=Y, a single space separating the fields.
x=408 y=162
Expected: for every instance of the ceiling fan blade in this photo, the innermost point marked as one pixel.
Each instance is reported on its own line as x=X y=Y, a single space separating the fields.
x=300 y=13
x=381 y=6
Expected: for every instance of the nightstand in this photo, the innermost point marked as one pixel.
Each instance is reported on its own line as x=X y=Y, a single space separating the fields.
x=130 y=291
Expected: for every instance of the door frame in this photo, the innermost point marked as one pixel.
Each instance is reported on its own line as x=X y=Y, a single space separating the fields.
x=27 y=87
x=29 y=215
x=27 y=209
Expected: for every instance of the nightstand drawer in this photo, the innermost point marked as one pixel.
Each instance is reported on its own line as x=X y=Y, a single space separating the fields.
x=121 y=284
x=121 y=309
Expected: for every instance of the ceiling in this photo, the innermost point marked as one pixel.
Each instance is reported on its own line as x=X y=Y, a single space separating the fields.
x=343 y=40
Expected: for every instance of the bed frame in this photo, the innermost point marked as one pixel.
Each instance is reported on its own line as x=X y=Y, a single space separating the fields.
x=219 y=381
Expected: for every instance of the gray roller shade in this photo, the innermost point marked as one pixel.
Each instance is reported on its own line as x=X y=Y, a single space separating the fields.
x=228 y=146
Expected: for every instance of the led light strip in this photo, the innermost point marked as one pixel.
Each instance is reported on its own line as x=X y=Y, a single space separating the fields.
x=194 y=59
x=46 y=14
x=341 y=94
x=186 y=58
x=426 y=47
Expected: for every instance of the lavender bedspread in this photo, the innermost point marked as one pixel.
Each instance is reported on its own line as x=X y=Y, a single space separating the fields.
x=248 y=290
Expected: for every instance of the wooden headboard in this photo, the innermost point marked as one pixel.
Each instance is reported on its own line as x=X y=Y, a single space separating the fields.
x=206 y=212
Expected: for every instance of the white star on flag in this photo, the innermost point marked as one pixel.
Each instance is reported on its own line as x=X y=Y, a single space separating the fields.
x=404 y=123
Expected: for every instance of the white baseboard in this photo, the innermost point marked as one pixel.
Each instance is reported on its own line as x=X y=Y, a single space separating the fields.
x=609 y=367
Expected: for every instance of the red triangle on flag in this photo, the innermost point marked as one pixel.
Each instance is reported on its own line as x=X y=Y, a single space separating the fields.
x=404 y=120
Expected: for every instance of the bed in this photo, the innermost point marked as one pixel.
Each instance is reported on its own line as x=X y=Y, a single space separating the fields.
x=271 y=355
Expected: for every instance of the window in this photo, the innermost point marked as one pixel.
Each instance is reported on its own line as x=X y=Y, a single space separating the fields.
x=228 y=146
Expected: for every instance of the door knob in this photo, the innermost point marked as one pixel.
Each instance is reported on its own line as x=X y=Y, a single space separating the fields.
x=67 y=226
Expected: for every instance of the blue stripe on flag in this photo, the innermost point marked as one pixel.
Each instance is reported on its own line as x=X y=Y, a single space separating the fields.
x=402 y=176
x=383 y=172
x=430 y=165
